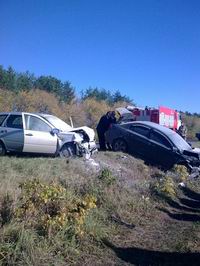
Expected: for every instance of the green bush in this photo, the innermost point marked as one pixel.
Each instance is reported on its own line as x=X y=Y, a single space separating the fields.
x=164 y=186
x=107 y=177
x=181 y=171
x=49 y=208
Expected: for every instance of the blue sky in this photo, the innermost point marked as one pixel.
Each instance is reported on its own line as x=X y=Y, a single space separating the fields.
x=147 y=49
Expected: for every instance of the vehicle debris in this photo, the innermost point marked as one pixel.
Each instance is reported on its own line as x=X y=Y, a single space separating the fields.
x=93 y=163
x=195 y=173
x=182 y=184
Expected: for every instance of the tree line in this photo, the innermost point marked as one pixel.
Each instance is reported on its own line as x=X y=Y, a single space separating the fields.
x=64 y=91
x=25 y=92
x=192 y=114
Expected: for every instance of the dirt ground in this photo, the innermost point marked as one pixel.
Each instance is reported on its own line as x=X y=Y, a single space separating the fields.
x=164 y=230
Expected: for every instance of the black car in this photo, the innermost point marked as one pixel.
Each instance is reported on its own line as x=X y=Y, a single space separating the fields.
x=153 y=143
x=198 y=135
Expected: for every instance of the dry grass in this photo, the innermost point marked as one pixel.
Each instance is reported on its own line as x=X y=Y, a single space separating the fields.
x=130 y=213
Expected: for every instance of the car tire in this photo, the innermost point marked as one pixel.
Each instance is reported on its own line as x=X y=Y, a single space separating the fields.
x=2 y=149
x=68 y=150
x=120 y=145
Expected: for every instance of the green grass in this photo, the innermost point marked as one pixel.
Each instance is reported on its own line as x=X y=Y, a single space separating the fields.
x=134 y=209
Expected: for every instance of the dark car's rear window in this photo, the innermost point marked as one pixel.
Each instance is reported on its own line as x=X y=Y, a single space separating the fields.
x=155 y=136
x=2 y=118
x=144 y=131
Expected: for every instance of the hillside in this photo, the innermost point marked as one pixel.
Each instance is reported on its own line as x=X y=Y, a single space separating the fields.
x=115 y=212
x=47 y=94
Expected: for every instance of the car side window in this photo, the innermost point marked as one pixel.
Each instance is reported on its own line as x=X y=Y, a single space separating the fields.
x=2 y=118
x=144 y=131
x=36 y=124
x=155 y=136
x=14 y=121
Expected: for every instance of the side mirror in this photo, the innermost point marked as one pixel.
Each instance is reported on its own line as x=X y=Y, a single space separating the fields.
x=54 y=131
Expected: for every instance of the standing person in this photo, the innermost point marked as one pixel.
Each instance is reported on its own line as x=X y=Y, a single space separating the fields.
x=103 y=125
x=182 y=131
x=112 y=118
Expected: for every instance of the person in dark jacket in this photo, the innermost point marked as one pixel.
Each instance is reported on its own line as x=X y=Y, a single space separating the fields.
x=103 y=125
x=182 y=131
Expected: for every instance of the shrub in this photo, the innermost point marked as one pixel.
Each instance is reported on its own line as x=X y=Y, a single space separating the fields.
x=107 y=177
x=181 y=171
x=50 y=208
x=164 y=186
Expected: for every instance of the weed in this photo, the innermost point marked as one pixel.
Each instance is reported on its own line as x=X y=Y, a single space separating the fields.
x=96 y=225
x=107 y=177
x=181 y=171
x=6 y=210
x=196 y=225
x=164 y=186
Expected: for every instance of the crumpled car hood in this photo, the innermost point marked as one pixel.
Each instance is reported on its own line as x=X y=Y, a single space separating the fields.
x=89 y=131
x=193 y=152
x=70 y=136
x=75 y=134
x=85 y=145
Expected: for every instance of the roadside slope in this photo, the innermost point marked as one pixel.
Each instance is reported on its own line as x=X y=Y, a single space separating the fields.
x=140 y=216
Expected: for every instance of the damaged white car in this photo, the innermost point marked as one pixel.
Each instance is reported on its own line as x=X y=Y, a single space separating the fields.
x=43 y=134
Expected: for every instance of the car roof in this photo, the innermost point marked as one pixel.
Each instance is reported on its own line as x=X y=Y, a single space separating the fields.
x=153 y=125
x=19 y=113
x=171 y=134
x=8 y=113
x=44 y=115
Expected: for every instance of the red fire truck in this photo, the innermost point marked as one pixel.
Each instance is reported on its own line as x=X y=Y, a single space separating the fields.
x=162 y=115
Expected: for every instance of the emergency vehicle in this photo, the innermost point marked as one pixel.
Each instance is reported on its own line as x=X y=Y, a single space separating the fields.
x=162 y=115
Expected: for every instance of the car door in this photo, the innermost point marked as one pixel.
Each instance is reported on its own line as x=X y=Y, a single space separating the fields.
x=37 y=135
x=139 y=140
x=2 y=119
x=161 y=149
x=11 y=132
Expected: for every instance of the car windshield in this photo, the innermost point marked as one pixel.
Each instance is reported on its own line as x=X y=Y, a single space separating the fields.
x=180 y=143
x=58 y=123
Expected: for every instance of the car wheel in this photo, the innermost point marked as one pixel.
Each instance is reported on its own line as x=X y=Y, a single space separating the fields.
x=68 y=150
x=2 y=149
x=120 y=145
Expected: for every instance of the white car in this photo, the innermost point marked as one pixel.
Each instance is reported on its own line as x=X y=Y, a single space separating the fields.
x=43 y=134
